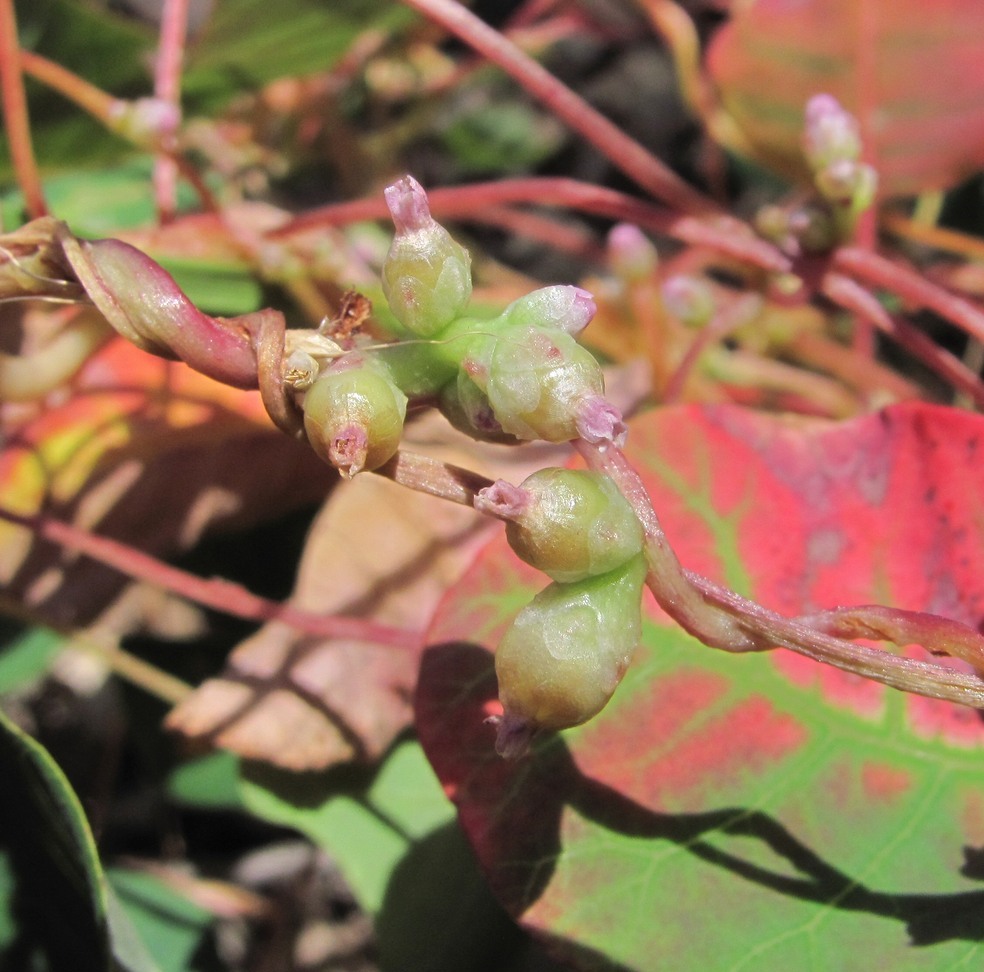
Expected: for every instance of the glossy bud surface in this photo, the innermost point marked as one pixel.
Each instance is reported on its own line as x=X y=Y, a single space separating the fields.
x=536 y=380
x=576 y=525
x=353 y=418
x=564 y=655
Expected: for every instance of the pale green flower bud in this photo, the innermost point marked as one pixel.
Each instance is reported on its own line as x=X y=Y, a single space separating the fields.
x=568 y=308
x=353 y=416
x=564 y=655
x=575 y=524
x=426 y=274
x=537 y=383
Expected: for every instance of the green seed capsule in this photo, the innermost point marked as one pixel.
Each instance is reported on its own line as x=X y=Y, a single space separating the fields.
x=564 y=655
x=537 y=379
x=576 y=525
x=353 y=417
x=426 y=274
x=467 y=408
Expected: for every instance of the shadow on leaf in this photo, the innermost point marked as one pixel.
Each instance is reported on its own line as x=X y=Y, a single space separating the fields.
x=513 y=813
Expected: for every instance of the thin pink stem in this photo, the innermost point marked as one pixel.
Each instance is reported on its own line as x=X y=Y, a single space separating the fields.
x=15 y=113
x=624 y=152
x=167 y=87
x=220 y=595
x=910 y=286
x=849 y=294
x=435 y=478
x=470 y=201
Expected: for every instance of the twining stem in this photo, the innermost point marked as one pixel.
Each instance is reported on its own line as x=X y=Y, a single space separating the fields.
x=15 y=114
x=626 y=153
x=216 y=593
x=666 y=577
x=723 y=619
x=472 y=200
x=167 y=87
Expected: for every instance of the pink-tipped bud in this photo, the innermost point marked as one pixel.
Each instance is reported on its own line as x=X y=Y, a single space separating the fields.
x=831 y=134
x=689 y=299
x=426 y=274
x=631 y=254
x=598 y=421
x=513 y=734
x=146 y=121
x=568 y=308
x=503 y=500
x=408 y=206
x=353 y=415
x=349 y=449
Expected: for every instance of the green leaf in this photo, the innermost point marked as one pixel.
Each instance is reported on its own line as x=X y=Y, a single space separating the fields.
x=162 y=927
x=211 y=781
x=247 y=43
x=26 y=656
x=757 y=811
x=365 y=823
x=393 y=836
x=501 y=137
x=59 y=898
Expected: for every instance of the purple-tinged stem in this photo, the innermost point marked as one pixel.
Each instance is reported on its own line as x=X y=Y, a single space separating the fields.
x=167 y=87
x=732 y=240
x=900 y=280
x=436 y=478
x=723 y=619
x=624 y=152
x=798 y=634
x=220 y=595
x=725 y=322
x=666 y=577
x=849 y=294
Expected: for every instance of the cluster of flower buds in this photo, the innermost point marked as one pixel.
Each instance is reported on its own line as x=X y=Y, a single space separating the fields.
x=832 y=145
x=518 y=377
x=565 y=653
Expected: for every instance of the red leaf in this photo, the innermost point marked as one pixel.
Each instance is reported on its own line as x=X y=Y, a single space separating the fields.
x=913 y=74
x=758 y=807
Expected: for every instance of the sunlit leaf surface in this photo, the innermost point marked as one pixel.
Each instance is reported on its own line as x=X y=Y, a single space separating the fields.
x=911 y=72
x=754 y=812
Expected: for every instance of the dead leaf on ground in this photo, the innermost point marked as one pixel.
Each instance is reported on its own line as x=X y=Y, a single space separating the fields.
x=376 y=551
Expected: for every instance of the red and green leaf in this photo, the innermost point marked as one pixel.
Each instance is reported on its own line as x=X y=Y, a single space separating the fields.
x=144 y=451
x=756 y=811
x=910 y=72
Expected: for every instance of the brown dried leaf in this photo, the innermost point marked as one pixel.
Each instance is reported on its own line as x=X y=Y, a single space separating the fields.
x=375 y=551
